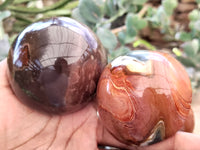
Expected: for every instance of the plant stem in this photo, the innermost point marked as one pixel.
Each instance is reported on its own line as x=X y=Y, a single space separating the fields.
x=143 y=10
x=72 y=5
x=118 y=29
x=113 y=18
x=5 y=4
x=37 y=10
x=21 y=1
x=140 y=14
x=116 y=16
x=22 y=18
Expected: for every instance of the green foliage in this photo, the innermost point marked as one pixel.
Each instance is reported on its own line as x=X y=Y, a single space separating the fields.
x=183 y=36
x=26 y=12
x=194 y=15
x=118 y=52
x=107 y=38
x=91 y=10
x=190 y=56
x=102 y=18
x=191 y=48
x=5 y=4
x=169 y=6
x=139 y=2
x=110 y=8
x=191 y=45
x=100 y=15
x=133 y=25
x=125 y=37
x=34 y=10
x=133 y=22
x=141 y=42
x=198 y=1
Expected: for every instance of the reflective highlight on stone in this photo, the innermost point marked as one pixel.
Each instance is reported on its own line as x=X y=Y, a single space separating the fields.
x=54 y=65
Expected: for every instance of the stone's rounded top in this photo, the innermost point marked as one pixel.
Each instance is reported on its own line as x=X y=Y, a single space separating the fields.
x=61 y=22
x=49 y=38
x=54 y=64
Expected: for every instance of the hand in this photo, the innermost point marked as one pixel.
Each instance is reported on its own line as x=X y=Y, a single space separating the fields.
x=26 y=129
x=22 y=128
x=180 y=141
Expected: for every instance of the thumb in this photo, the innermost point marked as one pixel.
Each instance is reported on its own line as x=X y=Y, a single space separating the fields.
x=105 y=138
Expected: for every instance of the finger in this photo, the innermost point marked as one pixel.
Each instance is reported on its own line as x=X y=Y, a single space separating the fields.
x=185 y=141
x=180 y=141
x=167 y=144
x=105 y=138
x=189 y=122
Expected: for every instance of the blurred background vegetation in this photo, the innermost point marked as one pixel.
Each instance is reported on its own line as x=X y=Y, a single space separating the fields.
x=121 y=25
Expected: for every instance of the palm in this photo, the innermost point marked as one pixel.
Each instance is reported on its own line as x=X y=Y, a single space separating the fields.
x=25 y=128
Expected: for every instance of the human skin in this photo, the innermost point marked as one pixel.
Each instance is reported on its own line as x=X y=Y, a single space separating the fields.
x=23 y=128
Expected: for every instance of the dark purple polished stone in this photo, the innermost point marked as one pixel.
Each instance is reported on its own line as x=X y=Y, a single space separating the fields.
x=54 y=65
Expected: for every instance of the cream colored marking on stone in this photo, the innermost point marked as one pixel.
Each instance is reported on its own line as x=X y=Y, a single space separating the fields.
x=160 y=126
x=134 y=65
